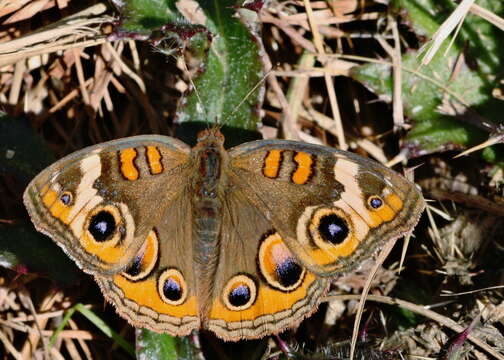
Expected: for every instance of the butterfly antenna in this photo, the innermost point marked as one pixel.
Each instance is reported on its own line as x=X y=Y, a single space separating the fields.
x=248 y=95
x=195 y=88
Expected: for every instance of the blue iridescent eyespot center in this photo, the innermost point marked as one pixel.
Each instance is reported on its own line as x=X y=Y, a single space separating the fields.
x=239 y=296
x=288 y=272
x=136 y=266
x=102 y=226
x=333 y=229
x=66 y=198
x=375 y=202
x=172 y=289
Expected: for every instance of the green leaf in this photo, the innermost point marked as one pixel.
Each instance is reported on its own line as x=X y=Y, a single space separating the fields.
x=426 y=88
x=227 y=91
x=146 y=16
x=151 y=345
x=229 y=87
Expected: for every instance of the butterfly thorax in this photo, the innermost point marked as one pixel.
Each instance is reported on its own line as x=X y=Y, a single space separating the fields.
x=210 y=158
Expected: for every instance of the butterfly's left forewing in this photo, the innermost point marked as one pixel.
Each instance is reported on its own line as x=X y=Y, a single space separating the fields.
x=100 y=203
x=332 y=208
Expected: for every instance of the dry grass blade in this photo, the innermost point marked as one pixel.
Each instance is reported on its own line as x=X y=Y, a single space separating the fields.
x=299 y=86
x=474 y=291
x=470 y=200
x=497 y=139
x=421 y=310
x=328 y=79
x=27 y=11
x=487 y=15
x=397 y=102
x=124 y=68
x=454 y=20
x=290 y=31
x=288 y=122
x=385 y=251
x=9 y=6
x=78 y=30
x=17 y=80
x=11 y=350
x=25 y=297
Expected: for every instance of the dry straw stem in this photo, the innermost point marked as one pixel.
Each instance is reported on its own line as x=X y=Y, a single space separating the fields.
x=9 y=347
x=487 y=15
x=491 y=141
x=84 y=346
x=25 y=9
x=469 y=200
x=422 y=310
x=36 y=335
x=288 y=122
x=327 y=123
x=36 y=332
x=328 y=79
x=454 y=20
x=78 y=30
x=396 y=56
x=365 y=292
x=299 y=86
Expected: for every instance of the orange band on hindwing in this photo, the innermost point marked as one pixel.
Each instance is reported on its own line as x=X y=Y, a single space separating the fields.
x=272 y=164
x=145 y=293
x=283 y=293
x=267 y=302
x=154 y=160
x=304 y=170
x=127 y=161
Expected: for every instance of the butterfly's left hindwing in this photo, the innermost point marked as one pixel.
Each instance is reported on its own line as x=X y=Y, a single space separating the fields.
x=100 y=203
x=158 y=290
x=332 y=208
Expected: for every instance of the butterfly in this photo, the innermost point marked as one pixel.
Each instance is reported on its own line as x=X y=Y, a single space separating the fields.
x=241 y=242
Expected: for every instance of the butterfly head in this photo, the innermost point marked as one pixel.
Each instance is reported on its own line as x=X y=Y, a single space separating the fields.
x=211 y=136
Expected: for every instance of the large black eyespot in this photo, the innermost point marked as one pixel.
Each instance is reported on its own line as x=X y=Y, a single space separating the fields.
x=145 y=259
x=136 y=266
x=288 y=272
x=172 y=290
x=333 y=229
x=172 y=287
x=239 y=296
x=278 y=265
x=102 y=225
x=239 y=293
